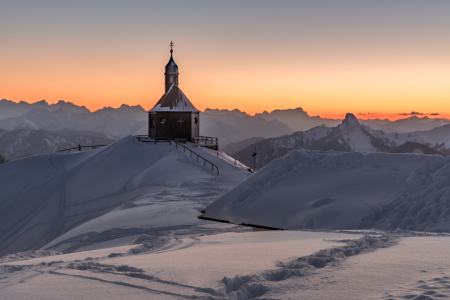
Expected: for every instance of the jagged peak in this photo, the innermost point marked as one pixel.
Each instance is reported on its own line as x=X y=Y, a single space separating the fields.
x=41 y=102
x=350 y=119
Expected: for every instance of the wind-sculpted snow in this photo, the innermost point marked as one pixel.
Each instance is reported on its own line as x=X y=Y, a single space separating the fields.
x=28 y=255
x=45 y=196
x=257 y=285
x=335 y=190
x=423 y=205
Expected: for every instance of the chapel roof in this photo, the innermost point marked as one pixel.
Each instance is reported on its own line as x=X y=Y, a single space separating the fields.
x=174 y=101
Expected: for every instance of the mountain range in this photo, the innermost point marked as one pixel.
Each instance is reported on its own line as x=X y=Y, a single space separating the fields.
x=349 y=136
x=230 y=126
x=300 y=120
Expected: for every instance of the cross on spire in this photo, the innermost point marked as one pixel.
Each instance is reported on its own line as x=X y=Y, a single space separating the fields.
x=171 y=45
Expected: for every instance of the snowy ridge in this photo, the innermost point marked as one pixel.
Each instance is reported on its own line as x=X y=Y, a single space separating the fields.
x=331 y=190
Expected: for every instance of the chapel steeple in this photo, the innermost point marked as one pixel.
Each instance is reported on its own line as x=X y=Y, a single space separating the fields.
x=171 y=72
x=173 y=116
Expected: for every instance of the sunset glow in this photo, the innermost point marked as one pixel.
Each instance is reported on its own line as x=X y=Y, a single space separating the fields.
x=328 y=58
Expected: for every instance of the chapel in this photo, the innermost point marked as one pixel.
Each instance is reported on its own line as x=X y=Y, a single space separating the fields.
x=174 y=116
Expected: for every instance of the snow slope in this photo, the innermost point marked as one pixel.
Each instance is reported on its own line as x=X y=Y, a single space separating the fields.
x=335 y=190
x=148 y=186
x=232 y=266
x=200 y=267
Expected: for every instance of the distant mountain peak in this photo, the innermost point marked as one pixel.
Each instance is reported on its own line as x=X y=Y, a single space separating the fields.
x=350 y=121
x=41 y=102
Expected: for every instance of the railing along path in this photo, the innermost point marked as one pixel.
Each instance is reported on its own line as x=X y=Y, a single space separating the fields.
x=146 y=139
x=79 y=148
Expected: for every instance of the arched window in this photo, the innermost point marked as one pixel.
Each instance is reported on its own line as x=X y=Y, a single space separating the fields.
x=195 y=120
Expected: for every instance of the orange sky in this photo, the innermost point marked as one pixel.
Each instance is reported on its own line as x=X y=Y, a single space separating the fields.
x=327 y=58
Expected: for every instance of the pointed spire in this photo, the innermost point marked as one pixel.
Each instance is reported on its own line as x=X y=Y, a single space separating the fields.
x=171 y=71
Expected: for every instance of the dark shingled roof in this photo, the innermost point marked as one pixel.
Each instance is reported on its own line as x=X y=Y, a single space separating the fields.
x=174 y=100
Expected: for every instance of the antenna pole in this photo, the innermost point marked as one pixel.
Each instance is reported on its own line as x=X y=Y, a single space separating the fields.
x=255 y=155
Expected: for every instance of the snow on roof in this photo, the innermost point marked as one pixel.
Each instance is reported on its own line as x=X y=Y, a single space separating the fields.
x=174 y=100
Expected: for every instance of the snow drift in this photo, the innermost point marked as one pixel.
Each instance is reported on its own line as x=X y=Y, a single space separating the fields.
x=334 y=190
x=45 y=196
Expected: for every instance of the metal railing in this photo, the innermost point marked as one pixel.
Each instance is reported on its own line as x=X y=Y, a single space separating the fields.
x=79 y=148
x=147 y=139
x=207 y=141
x=198 y=156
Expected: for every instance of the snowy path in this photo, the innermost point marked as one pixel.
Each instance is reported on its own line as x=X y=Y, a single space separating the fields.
x=186 y=268
x=271 y=265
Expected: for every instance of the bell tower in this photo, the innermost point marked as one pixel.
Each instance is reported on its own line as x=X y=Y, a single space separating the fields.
x=173 y=116
x=171 y=72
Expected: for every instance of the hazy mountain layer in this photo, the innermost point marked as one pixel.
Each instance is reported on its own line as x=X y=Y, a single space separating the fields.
x=21 y=143
x=348 y=136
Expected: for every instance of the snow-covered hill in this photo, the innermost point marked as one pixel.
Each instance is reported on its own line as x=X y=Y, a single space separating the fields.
x=349 y=136
x=336 y=190
x=121 y=191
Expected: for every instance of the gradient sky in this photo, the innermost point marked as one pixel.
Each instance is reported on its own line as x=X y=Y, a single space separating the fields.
x=328 y=57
